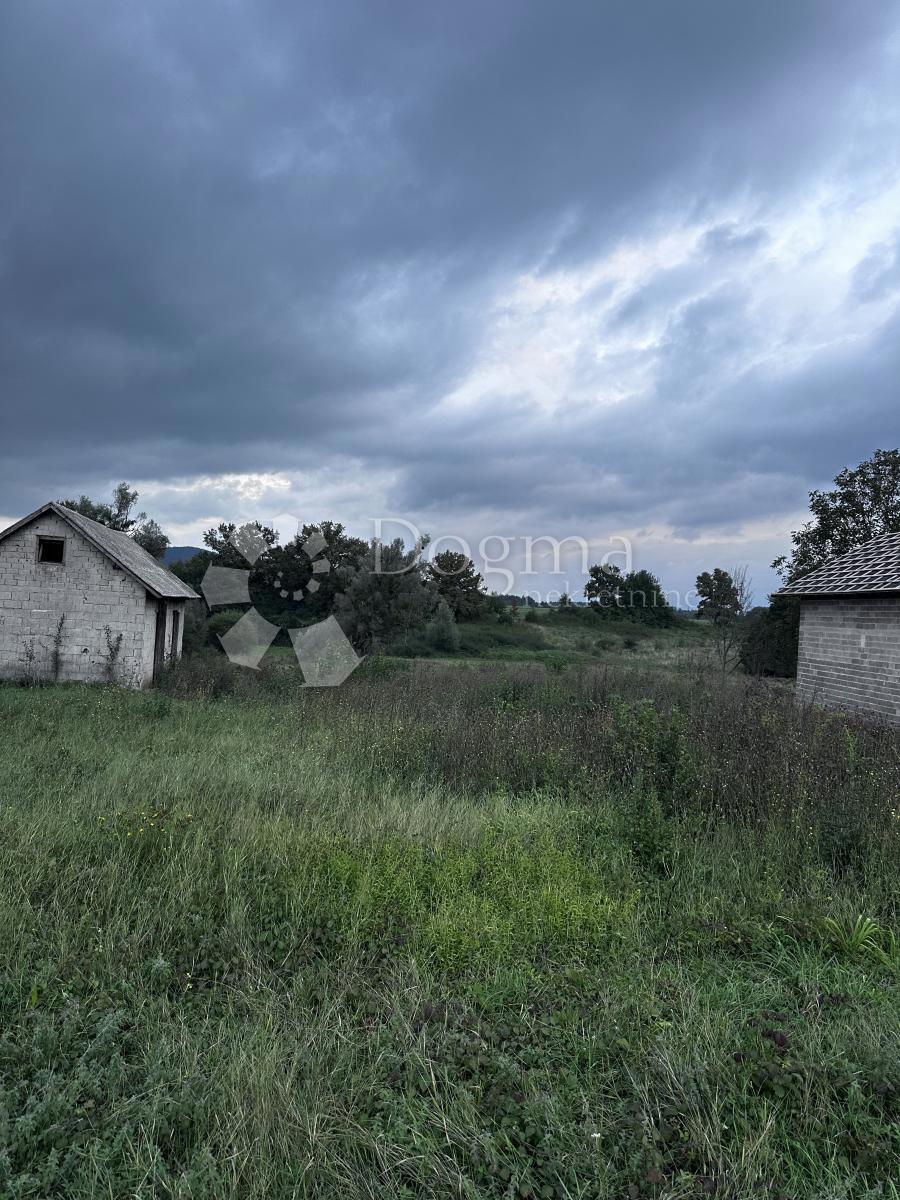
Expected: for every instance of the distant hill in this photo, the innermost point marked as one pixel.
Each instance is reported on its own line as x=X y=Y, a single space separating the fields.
x=176 y=554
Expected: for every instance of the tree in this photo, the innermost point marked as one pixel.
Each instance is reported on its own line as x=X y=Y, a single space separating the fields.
x=864 y=504
x=604 y=587
x=309 y=567
x=291 y=585
x=718 y=592
x=642 y=597
x=230 y=548
x=769 y=645
x=117 y=515
x=192 y=569
x=725 y=599
x=638 y=594
x=384 y=595
x=454 y=578
x=149 y=535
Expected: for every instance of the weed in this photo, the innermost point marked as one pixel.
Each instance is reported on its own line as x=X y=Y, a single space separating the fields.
x=56 y=653
x=113 y=650
x=29 y=675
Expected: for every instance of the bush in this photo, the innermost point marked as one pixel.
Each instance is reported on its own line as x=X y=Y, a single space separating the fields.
x=380 y=666
x=383 y=596
x=484 y=637
x=442 y=632
x=411 y=645
x=218 y=624
x=555 y=661
x=196 y=627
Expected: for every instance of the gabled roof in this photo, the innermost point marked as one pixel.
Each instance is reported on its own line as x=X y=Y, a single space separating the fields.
x=120 y=548
x=872 y=567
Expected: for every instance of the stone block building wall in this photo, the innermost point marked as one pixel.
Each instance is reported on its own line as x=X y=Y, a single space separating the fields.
x=173 y=635
x=92 y=593
x=849 y=655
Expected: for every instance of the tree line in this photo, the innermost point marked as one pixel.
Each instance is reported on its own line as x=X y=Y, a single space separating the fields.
x=384 y=592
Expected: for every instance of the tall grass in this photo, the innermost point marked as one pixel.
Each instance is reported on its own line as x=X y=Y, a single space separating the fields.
x=445 y=932
x=733 y=749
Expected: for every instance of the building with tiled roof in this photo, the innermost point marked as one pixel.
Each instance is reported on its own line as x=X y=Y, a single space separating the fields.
x=849 y=654
x=80 y=601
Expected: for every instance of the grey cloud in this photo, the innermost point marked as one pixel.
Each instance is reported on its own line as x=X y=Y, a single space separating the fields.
x=249 y=237
x=729 y=239
x=692 y=458
x=878 y=273
x=666 y=290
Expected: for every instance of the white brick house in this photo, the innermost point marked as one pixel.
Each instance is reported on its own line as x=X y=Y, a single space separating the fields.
x=849 y=654
x=69 y=587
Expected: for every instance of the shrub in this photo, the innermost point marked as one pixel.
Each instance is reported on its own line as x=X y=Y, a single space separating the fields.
x=442 y=632
x=218 y=624
x=555 y=661
x=489 y=637
x=196 y=633
x=384 y=596
x=382 y=667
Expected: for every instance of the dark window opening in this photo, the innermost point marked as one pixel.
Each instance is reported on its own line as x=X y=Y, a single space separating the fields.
x=176 y=628
x=51 y=550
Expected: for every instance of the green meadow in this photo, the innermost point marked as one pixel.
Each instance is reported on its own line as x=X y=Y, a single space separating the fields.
x=589 y=928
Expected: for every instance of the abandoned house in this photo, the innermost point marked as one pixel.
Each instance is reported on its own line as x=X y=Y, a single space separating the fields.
x=80 y=601
x=849 y=655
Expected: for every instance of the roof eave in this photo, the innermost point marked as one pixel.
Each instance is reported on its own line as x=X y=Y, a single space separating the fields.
x=836 y=592
x=23 y=521
x=61 y=511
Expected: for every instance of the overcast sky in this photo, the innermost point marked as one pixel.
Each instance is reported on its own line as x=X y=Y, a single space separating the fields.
x=507 y=268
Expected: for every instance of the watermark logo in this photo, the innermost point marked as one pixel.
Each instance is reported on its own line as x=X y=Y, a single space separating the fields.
x=323 y=650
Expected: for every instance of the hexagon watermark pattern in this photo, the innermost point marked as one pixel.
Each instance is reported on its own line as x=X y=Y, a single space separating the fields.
x=323 y=650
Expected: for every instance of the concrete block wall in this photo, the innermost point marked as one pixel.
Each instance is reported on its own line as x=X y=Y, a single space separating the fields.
x=150 y=618
x=146 y=665
x=88 y=588
x=849 y=656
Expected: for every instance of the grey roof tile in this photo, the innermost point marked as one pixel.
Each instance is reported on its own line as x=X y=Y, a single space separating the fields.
x=872 y=567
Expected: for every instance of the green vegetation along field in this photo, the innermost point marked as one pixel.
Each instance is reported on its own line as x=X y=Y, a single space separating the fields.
x=470 y=931
x=553 y=637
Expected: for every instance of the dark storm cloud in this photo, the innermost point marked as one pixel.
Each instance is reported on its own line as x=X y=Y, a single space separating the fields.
x=247 y=237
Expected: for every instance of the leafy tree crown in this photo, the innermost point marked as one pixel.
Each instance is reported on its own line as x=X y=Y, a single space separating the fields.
x=863 y=504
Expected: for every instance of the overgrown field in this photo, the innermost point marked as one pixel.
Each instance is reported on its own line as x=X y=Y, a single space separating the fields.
x=481 y=932
x=555 y=638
